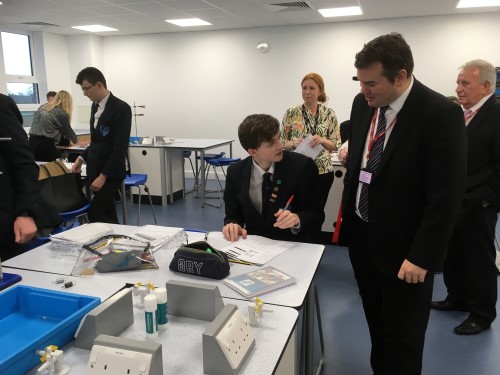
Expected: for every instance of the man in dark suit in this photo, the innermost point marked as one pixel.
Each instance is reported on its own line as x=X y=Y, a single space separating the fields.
x=403 y=187
x=110 y=123
x=262 y=210
x=18 y=181
x=469 y=270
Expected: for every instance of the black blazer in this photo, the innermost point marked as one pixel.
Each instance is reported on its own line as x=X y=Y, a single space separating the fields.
x=295 y=174
x=18 y=170
x=109 y=141
x=416 y=193
x=483 y=157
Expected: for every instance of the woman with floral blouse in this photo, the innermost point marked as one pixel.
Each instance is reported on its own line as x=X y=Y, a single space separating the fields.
x=315 y=118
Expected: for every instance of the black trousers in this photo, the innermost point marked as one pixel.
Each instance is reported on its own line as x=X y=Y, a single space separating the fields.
x=469 y=270
x=397 y=312
x=44 y=149
x=102 y=207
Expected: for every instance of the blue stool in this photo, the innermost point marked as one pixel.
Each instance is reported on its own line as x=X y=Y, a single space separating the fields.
x=137 y=180
x=206 y=157
x=214 y=163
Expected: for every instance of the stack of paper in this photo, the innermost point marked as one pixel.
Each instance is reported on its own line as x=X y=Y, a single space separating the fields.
x=71 y=241
x=161 y=237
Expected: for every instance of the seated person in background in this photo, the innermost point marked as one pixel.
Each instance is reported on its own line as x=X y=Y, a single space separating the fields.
x=260 y=210
x=51 y=122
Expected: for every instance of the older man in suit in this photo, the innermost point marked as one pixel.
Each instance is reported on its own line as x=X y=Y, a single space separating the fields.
x=469 y=271
x=110 y=123
x=18 y=181
x=272 y=193
x=403 y=187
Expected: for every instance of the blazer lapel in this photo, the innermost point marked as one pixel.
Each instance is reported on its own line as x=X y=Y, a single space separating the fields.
x=356 y=150
x=481 y=115
x=246 y=174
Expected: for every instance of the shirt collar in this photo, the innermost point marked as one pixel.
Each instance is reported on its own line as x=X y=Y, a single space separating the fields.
x=260 y=172
x=103 y=102
x=480 y=103
x=399 y=102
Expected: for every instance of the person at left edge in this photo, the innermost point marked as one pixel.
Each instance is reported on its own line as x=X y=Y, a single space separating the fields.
x=291 y=174
x=110 y=124
x=18 y=181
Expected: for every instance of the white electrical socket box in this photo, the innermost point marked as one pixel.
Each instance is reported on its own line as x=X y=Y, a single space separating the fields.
x=235 y=339
x=113 y=361
x=227 y=342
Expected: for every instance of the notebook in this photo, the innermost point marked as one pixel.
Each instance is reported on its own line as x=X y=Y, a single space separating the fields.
x=258 y=282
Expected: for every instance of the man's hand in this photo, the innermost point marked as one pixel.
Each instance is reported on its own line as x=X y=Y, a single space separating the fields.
x=77 y=166
x=411 y=273
x=286 y=219
x=24 y=229
x=232 y=231
x=98 y=183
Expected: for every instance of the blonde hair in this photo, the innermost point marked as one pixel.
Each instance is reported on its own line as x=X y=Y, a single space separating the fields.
x=63 y=100
x=319 y=81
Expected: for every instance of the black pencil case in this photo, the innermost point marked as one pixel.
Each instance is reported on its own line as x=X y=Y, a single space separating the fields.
x=200 y=259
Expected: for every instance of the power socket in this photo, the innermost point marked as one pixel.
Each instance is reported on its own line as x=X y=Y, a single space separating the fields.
x=106 y=360
x=235 y=339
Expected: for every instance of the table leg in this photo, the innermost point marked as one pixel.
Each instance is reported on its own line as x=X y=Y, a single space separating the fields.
x=124 y=204
x=202 y=173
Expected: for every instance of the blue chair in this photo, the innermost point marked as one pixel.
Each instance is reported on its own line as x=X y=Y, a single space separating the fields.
x=221 y=163
x=71 y=219
x=137 y=180
x=206 y=158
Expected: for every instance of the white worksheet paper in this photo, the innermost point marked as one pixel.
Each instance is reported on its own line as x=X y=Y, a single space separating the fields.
x=254 y=249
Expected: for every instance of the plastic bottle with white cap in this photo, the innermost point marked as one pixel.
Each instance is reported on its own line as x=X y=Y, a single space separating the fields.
x=161 y=300
x=150 y=311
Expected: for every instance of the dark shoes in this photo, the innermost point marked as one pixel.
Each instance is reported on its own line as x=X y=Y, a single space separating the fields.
x=447 y=306
x=470 y=327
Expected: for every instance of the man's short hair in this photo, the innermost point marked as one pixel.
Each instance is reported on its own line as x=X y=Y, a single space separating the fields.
x=391 y=50
x=256 y=129
x=91 y=75
x=487 y=72
x=51 y=94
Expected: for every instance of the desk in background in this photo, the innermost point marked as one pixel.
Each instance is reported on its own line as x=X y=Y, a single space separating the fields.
x=164 y=165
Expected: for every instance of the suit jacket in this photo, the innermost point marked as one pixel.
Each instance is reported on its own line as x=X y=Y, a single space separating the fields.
x=483 y=157
x=18 y=170
x=109 y=140
x=415 y=195
x=295 y=174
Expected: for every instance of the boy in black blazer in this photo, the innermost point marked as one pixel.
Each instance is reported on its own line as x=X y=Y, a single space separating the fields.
x=110 y=123
x=249 y=210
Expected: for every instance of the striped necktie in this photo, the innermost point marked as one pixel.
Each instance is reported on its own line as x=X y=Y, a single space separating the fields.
x=375 y=155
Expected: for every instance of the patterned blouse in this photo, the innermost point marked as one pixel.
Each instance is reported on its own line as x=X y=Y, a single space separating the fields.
x=324 y=124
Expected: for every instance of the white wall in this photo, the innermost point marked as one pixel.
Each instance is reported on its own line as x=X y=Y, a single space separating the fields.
x=202 y=84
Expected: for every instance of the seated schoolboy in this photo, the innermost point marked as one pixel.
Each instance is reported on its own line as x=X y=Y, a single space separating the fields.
x=256 y=204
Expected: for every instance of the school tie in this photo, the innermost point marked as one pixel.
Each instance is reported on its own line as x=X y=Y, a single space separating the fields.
x=266 y=191
x=373 y=162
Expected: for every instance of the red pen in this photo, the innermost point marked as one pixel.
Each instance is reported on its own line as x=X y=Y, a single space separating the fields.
x=287 y=205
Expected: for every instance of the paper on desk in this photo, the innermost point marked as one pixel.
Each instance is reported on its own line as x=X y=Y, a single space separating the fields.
x=158 y=235
x=306 y=149
x=254 y=249
x=83 y=234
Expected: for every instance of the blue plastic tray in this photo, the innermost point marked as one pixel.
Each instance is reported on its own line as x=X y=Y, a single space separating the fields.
x=33 y=318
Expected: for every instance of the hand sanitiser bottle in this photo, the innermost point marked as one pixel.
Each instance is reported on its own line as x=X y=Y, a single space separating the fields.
x=150 y=311
x=161 y=300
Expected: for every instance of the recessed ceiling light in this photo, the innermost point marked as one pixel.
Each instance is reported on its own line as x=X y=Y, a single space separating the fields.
x=189 y=22
x=478 y=3
x=341 y=12
x=94 y=28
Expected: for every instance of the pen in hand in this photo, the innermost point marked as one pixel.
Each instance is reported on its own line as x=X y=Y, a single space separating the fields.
x=288 y=203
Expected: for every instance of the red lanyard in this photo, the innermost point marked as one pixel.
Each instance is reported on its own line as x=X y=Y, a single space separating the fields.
x=372 y=140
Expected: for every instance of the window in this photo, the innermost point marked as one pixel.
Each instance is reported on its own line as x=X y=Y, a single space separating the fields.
x=17 y=77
